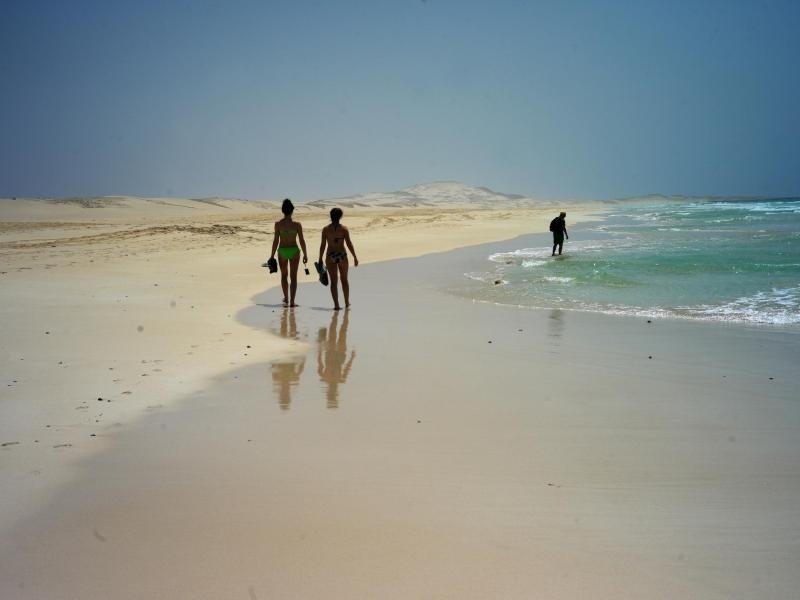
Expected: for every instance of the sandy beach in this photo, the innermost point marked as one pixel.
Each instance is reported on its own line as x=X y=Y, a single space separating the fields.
x=168 y=430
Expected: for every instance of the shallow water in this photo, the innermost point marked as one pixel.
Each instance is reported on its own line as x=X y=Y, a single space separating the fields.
x=715 y=260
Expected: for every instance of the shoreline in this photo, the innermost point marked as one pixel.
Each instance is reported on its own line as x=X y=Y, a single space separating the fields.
x=483 y=273
x=556 y=459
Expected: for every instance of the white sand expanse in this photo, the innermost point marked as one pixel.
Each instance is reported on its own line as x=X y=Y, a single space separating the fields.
x=172 y=433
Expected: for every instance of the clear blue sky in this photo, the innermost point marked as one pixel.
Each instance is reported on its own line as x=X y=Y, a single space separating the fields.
x=318 y=99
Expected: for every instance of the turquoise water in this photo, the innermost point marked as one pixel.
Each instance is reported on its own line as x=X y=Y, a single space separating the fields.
x=716 y=260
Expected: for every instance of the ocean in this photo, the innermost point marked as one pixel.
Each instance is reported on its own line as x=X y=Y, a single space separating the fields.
x=733 y=261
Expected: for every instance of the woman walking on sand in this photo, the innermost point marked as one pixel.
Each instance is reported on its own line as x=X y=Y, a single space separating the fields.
x=336 y=236
x=287 y=233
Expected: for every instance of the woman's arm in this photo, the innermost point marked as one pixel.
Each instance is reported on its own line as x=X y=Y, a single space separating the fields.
x=322 y=245
x=275 y=239
x=302 y=242
x=350 y=245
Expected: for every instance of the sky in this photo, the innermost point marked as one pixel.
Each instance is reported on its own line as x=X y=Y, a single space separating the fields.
x=323 y=99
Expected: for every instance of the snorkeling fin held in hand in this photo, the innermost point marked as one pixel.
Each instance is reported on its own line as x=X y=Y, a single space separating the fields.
x=272 y=264
x=323 y=274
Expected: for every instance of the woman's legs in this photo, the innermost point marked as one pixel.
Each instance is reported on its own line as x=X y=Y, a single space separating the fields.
x=284 y=266
x=293 y=264
x=343 y=268
x=333 y=275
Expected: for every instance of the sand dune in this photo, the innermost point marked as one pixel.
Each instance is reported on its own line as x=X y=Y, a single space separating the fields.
x=70 y=231
x=441 y=194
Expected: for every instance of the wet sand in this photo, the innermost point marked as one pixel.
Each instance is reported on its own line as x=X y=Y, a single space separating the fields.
x=422 y=445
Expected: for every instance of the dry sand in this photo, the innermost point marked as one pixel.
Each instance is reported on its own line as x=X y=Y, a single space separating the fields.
x=391 y=451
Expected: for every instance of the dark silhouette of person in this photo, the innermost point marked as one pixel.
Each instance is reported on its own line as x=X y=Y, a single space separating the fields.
x=559 y=228
x=337 y=239
x=287 y=234
x=333 y=364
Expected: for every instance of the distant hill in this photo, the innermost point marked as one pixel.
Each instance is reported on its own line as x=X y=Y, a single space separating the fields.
x=123 y=201
x=123 y=208
x=439 y=193
x=443 y=194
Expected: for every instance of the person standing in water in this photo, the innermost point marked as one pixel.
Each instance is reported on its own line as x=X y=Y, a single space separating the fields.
x=336 y=236
x=287 y=234
x=559 y=228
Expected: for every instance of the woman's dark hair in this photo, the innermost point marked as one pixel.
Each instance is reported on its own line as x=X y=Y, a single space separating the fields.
x=336 y=214
x=287 y=207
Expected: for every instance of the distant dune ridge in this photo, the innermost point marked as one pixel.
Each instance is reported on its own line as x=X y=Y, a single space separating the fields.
x=445 y=194
x=127 y=201
x=439 y=193
x=30 y=225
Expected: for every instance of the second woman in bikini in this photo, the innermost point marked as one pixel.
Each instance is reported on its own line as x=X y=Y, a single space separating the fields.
x=287 y=234
x=337 y=239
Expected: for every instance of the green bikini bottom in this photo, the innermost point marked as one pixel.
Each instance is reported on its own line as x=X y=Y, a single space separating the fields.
x=288 y=252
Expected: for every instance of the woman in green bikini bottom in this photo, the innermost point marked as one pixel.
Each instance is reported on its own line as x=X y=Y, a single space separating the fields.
x=287 y=234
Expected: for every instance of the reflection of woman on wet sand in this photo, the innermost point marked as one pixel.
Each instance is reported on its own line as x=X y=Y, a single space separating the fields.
x=286 y=375
x=333 y=366
x=288 y=325
x=336 y=236
x=287 y=233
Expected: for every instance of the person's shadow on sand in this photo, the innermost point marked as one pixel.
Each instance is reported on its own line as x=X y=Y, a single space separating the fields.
x=333 y=364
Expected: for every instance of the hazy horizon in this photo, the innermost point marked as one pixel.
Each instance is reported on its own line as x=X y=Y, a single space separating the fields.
x=427 y=184
x=254 y=100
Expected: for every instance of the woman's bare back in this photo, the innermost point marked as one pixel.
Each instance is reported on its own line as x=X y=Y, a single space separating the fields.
x=335 y=236
x=287 y=231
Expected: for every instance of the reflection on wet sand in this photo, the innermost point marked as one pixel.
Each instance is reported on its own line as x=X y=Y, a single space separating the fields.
x=555 y=325
x=285 y=376
x=333 y=362
x=333 y=365
x=288 y=324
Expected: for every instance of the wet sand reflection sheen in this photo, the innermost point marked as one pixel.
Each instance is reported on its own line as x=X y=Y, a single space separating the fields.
x=286 y=374
x=288 y=325
x=333 y=364
x=555 y=326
